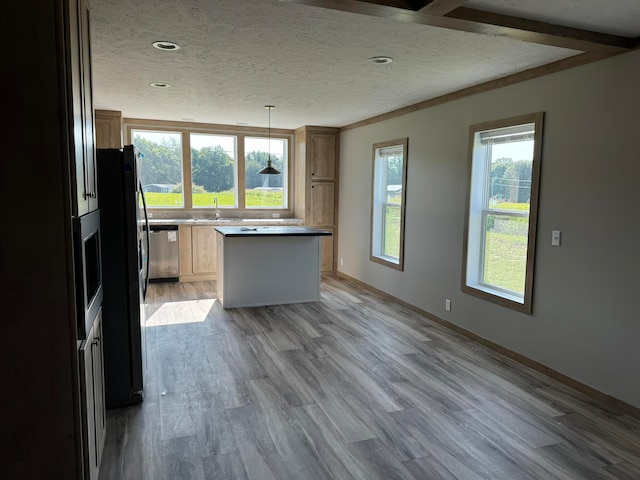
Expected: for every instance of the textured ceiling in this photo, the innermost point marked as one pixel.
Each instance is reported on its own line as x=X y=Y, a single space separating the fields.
x=311 y=63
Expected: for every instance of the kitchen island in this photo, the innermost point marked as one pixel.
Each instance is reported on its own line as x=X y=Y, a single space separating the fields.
x=268 y=265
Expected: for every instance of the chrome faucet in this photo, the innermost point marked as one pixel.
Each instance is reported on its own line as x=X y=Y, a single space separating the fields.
x=215 y=202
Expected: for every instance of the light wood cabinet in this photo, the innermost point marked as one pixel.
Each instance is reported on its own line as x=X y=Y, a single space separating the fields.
x=322 y=156
x=198 y=252
x=82 y=123
x=203 y=241
x=186 y=255
x=322 y=213
x=108 y=129
x=316 y=184
x=326 y=252
x=93 y=405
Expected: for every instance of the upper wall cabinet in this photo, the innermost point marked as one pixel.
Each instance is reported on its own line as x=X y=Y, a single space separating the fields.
x=322 y=156
x=82 y=124
x=108 y=129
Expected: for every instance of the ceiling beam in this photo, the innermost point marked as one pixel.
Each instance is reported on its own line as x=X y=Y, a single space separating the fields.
x=441 y=7
x=432 y=7
x=540 y=32
x=476 y=21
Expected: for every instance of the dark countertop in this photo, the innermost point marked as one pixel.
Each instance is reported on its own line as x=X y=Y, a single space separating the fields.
x=271 y=231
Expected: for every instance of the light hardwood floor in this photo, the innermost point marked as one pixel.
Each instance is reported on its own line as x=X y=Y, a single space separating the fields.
x=352 y=387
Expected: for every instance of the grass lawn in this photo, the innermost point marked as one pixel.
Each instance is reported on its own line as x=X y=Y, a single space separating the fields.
x=392 y=232
x=253 y=198
x=505 y=261
x=505 y=256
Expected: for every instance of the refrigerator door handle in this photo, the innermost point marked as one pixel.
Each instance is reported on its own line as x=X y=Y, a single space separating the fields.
x=146 y=221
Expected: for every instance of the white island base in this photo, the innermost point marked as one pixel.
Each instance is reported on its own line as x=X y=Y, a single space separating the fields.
x=268 y=265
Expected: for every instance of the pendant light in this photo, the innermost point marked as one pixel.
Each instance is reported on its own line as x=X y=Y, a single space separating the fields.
x=269 y=170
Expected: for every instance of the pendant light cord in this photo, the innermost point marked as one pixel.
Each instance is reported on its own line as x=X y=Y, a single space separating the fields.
x=269 y=157
x=269 y=170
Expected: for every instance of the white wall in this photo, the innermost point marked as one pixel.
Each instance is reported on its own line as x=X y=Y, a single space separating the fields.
x=585 y=321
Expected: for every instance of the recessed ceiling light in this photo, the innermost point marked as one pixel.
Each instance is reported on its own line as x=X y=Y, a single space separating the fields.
x=159 y=84
x=166 y=46
x=381 y=60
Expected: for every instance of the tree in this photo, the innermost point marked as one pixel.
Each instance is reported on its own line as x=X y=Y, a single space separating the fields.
x=256 y=161
x=212 y=169
x=511 y=180
x=394 y=170
x=522 y=170
x=161 y=162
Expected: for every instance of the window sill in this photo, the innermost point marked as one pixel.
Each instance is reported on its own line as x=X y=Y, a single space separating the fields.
x=515 y=302
x=388 y=261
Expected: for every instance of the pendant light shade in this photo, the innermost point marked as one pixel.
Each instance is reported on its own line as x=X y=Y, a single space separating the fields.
x=269 y=170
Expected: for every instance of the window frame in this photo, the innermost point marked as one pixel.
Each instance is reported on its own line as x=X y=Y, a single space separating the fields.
x=285 y=174
x=474 y=247
x=377 y=229
x=235 y=168
x=169 y=132
x=240 y=132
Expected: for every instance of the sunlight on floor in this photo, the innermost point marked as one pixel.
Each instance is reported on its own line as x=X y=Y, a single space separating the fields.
x=174 y=313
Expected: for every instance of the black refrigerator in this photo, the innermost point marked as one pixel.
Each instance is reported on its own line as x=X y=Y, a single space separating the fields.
x=125 y=251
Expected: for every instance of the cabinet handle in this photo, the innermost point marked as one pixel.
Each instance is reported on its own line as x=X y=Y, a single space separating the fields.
x=96 y=341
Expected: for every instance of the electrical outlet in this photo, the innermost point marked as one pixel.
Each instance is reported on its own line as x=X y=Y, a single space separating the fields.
x=342 y=262
x=447 y=305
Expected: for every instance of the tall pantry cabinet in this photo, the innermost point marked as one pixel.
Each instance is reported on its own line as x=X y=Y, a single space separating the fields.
x=316 y=184
x=46 y=179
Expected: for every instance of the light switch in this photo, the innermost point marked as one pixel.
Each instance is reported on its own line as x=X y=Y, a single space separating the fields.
x=555 y=238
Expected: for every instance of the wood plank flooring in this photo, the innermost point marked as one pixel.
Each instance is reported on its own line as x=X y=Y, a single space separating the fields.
x=352 y=387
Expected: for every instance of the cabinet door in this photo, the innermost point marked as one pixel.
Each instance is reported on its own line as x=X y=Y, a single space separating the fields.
x=81 y=108
x=100 y=413
x=203 y=242
x=322 y=204
x=186 y=255
x=88 y=407
x=326 y=252
x=81 y=204
x=93 y=405
x=108 y=129
x=322 y=153
x=88 y=115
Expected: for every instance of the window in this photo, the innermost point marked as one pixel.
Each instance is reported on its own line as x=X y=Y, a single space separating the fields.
x=161 y=167
x=388 y=201
x=265 y=191
x=504 y=158
x=213 y=167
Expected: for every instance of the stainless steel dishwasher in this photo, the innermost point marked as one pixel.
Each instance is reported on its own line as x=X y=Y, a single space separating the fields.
x=164 y=255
